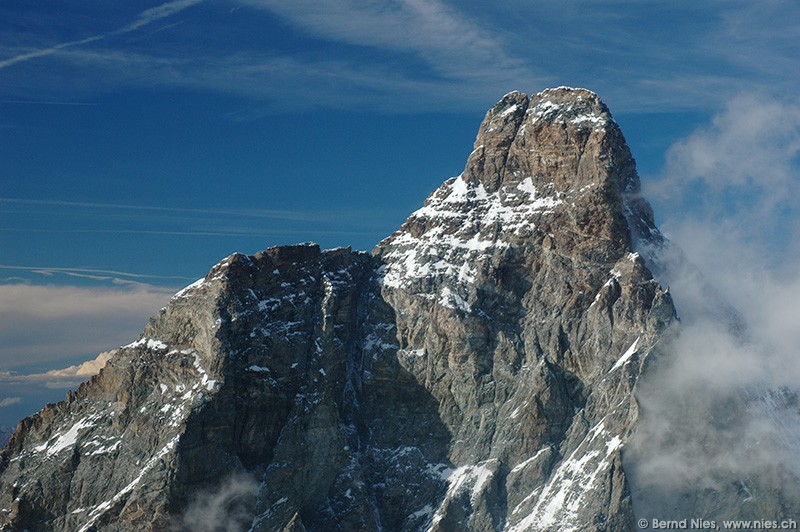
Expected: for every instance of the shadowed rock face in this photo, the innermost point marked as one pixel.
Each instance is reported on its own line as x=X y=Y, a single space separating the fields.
x=476 y=371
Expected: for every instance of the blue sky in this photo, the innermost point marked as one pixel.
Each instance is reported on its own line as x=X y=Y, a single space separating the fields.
x=140 y=142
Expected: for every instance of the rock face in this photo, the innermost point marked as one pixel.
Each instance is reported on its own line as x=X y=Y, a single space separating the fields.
x=475 y=372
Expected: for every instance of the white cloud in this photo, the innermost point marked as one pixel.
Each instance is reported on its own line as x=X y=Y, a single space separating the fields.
x=53 y=326
x=735 y=181
x=8 y=401
x=228 y=507
x=86 y=369
x=753 y=143
x=58 y=379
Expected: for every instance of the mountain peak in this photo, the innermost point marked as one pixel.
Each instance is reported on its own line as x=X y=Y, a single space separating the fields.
x=565 y=104
x=562 y=136
x=548 y=170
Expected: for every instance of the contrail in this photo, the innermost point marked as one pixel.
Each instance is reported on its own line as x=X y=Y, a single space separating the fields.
x=145 y=17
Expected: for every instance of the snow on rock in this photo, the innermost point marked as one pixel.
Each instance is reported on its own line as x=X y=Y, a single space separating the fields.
x=150 y=343
x=574 y=480
x=462 y=221
x=452 y=300
x=186 y=292
x=573 y=111
x=66 y=440
x=450 y=380
x=103 y=507
x=471 y=478
x=626 y=356
x=525 y=463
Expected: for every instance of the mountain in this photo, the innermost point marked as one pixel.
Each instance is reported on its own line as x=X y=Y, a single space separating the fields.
x=475 y=372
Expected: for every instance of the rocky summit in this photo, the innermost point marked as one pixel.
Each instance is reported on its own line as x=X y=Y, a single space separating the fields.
x=476 y=371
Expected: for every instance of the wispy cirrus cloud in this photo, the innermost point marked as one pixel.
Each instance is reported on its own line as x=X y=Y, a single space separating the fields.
x=146 y=17
x=116 y=276
x=761 y=38
x=103 y=220
x=290 y=81
x=444 y=38
x=253 y=213
x=429 y=54
x=413 y=55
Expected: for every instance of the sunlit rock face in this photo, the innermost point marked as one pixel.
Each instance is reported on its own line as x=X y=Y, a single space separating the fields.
x=475 y=372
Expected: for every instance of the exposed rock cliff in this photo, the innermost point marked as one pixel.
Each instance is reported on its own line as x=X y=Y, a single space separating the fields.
x=475 y=372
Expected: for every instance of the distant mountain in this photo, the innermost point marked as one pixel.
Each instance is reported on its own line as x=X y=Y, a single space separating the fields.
x=475 y=372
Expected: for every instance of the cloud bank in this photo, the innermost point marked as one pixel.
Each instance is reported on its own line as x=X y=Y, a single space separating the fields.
x=63 y=326
x=50 y=325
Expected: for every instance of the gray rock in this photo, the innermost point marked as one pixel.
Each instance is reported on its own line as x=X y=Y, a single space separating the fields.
x=477 y=371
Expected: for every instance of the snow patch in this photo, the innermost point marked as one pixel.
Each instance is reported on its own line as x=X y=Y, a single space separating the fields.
x=150 y=343
x=461 y=222
x=185 y=291
x=560 y=500
x=509 y=110
x=470 y=478
x=67 y=440
x=626 y=356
